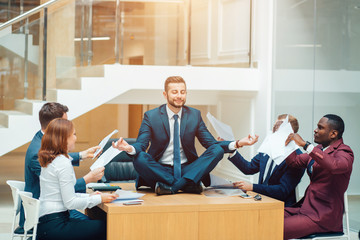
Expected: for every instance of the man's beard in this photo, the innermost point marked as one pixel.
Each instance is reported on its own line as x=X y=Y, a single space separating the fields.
x=172 y=103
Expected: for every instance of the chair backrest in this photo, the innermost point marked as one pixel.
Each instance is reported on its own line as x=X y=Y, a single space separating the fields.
x=121 y=167
x=346 y=215
x=31 y=207
x=16 y=187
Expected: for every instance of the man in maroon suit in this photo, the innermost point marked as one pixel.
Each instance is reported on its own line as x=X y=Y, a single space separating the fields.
x=329 y=167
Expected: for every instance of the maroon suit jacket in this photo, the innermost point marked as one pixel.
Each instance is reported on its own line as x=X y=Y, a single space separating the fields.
x=324 y=198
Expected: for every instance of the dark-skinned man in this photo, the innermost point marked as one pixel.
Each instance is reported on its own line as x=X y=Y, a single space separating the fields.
x=329 y=167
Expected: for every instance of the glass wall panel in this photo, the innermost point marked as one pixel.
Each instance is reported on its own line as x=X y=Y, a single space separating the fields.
x=19 y=63
x=316 y=68
x=131 y=32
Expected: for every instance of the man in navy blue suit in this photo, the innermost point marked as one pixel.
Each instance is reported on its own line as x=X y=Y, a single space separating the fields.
x=48 y=112
x=276 y=181
x=171 y=162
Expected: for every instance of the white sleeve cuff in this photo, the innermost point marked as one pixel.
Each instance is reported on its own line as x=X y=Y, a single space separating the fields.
x=310 y=148
x=133 y=151
x=232 y=154
x=232 y=146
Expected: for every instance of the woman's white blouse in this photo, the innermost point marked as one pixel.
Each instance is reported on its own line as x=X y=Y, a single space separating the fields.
x=57 y=191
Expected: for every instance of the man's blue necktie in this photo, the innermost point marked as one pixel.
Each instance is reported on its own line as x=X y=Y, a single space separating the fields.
x=310 y=167
x=177 y=161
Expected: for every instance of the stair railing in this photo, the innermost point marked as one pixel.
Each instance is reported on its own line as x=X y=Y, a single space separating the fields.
x=25 y=16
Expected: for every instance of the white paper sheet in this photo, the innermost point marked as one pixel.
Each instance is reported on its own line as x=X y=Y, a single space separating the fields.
x=90 y=185
x=103 y=142
x=223 y=130
x=128 y=195
x=218 y=182
x=274 y=143
x=105 y=158
x=119 y=201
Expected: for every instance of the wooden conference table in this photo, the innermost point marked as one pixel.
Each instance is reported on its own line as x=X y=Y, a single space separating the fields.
x=192 y=216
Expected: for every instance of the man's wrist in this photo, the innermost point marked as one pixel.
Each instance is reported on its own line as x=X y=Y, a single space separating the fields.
x=306 y=145
x=237 y=144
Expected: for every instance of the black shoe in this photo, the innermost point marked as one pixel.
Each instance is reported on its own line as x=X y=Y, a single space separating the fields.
x=163 y=189
x=19 y=230
x=193 y=188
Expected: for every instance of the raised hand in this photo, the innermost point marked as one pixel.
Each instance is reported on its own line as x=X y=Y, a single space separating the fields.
x=122 y=145
x=247 y=141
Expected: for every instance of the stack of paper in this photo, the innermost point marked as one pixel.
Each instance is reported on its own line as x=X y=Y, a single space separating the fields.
x=128 y=196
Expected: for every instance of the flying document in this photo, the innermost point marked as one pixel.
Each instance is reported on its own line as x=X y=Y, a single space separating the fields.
x=223 y=130
x=274 y=143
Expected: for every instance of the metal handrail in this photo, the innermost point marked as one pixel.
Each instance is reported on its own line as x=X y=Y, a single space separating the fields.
x=27 y=14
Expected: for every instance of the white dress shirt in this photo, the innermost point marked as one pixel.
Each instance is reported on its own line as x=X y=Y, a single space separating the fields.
x=168 y=156
x=57 y=191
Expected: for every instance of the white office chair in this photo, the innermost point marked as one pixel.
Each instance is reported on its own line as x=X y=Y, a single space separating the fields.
x=15 y=186
x=345 y=234
x=31 y=208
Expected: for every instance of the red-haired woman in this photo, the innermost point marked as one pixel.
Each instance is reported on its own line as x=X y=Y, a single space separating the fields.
x=57 y=195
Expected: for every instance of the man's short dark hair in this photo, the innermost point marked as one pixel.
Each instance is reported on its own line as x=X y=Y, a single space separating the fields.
x=51 y=111
x=336 y=123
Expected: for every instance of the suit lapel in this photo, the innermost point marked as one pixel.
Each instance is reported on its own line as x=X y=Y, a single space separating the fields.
x=165 y=119
x=184 y=119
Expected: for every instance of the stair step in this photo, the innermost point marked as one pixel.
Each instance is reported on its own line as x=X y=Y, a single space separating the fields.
x=25 y=105
x=68 y=83
x=91 y=71
x=51 y=95
x=4 y=116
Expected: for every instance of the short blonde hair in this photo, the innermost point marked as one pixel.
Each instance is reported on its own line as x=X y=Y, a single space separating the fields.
x=173 y=79
x=293 y=121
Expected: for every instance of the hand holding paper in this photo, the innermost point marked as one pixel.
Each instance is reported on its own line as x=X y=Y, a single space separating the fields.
x=94 y=175
x=90 y=153
x=103 y=143
x=108 y=197
x=105 y=158
x=297 y=139
x=244 y=185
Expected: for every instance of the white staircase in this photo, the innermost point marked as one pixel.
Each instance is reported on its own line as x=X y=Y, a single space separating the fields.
x=15 y=42
x=19 y=126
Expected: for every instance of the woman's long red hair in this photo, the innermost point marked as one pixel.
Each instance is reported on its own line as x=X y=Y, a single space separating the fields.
x=54 y=141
